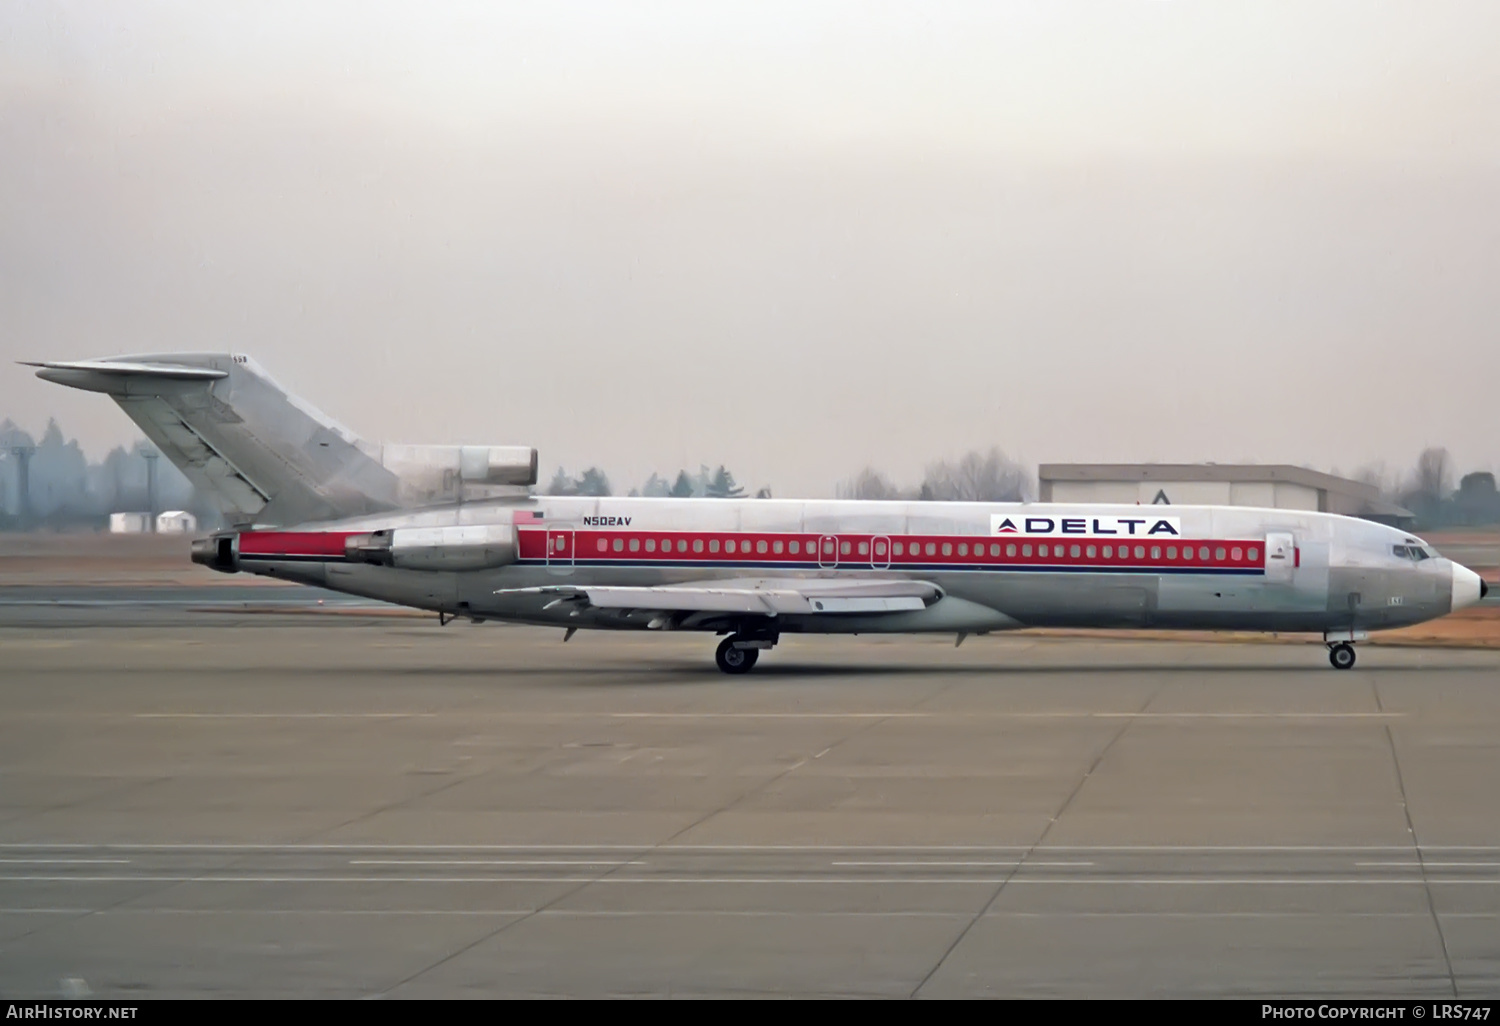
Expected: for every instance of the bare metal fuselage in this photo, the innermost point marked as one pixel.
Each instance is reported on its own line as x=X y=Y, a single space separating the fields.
x=1340 y=574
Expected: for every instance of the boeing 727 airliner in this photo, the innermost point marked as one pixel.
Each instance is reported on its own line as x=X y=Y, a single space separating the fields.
x=452 y=530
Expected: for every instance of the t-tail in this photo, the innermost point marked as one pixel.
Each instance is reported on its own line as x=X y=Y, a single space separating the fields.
x=267 y=457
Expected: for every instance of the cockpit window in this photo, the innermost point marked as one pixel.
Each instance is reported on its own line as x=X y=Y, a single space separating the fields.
x=1416 y=553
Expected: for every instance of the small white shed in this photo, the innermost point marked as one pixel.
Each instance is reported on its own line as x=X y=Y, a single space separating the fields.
x=129 y=523
x=176 y=521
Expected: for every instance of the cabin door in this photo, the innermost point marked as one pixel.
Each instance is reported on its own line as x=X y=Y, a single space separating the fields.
x=828 y=551
x=1281 y=557
x=560 y=550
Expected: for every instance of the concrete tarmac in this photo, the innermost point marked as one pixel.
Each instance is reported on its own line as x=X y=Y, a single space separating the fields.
x=279 y=806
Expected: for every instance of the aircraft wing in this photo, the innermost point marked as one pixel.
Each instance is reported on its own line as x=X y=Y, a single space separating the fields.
x=757 y=597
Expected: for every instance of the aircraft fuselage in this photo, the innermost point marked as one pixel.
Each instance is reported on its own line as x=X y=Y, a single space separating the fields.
x=994 y=566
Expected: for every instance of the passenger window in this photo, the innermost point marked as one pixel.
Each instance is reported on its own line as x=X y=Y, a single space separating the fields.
x=697 y=544
x=1156 y=552
x=843 y=548
x=713 y=545
x=650 y=544
x=1041 y=550
x=1090 y=551
x=1075 y=551
x=1140 y=552
x=828 y=548
x=776 y=547
x=864 y=548
x=603 y=545
x=932 y=548
x=795 y=547
x=947 y=548
x=1171 y=551
x=681 y=544
x=1236 y=553
x=1109 y=551
x=1203 y=552
x=1253 y=554
x=635 y=545
x=619 y=544
x=1219 y=554
x=995 y=549
x=729 y=545
x=760 y=546
x=896 y=547
x=963 y=548
x=1025 y=550
x=1010 y=550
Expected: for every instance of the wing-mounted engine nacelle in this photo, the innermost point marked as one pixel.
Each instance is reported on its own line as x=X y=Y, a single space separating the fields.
x=220 y=552
x=435 y=548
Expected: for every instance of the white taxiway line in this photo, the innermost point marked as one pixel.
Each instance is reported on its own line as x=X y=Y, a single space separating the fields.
x=491 y=862
x=1003 y=715
x=1112 y=881
x=942 y=863
x=64 y=862
x=648 y=847
x=284 y=716
x=736 y=913
x=1430 y=865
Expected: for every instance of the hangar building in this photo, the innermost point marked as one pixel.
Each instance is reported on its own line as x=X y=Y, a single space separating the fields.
x=1217 y=484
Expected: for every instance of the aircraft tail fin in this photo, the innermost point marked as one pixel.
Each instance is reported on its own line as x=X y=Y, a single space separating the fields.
x=266 y=456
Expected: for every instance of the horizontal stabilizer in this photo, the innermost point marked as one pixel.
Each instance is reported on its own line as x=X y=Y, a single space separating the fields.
x=67 y=372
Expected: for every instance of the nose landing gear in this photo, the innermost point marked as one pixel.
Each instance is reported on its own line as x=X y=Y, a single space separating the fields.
x=1341 y=647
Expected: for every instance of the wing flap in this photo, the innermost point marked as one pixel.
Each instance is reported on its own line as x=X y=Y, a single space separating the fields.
x=753 y=598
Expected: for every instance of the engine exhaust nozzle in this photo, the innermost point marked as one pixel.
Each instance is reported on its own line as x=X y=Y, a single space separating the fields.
x=217 y=553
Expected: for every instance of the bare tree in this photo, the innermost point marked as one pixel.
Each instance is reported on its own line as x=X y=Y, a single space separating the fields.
x=869 y=484
x=1376 y=476
x=1434 y=473
x=977 y=477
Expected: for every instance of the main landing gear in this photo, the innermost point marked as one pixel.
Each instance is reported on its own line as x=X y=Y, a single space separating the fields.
x=1341 y=655
x=738 y=652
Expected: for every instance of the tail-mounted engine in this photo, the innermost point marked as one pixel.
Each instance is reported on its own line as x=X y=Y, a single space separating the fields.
x=405 y=548
x=435 y=548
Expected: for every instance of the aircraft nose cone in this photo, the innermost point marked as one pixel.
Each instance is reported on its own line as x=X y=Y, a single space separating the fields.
x=1468 y=587
x=1484 y=589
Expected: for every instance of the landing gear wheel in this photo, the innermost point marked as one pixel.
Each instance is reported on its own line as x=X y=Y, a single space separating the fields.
x=735 y=660
x=1341 y=656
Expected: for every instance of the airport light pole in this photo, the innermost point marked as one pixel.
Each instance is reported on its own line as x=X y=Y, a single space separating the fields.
x=150 y=456
x=23 y=454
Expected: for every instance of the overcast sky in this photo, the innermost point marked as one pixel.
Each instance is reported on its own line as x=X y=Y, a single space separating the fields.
x=793 y=238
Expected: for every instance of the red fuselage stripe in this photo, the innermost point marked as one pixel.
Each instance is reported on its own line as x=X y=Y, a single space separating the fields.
x=540 y=543
x=293 y=543
x=862 y=549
